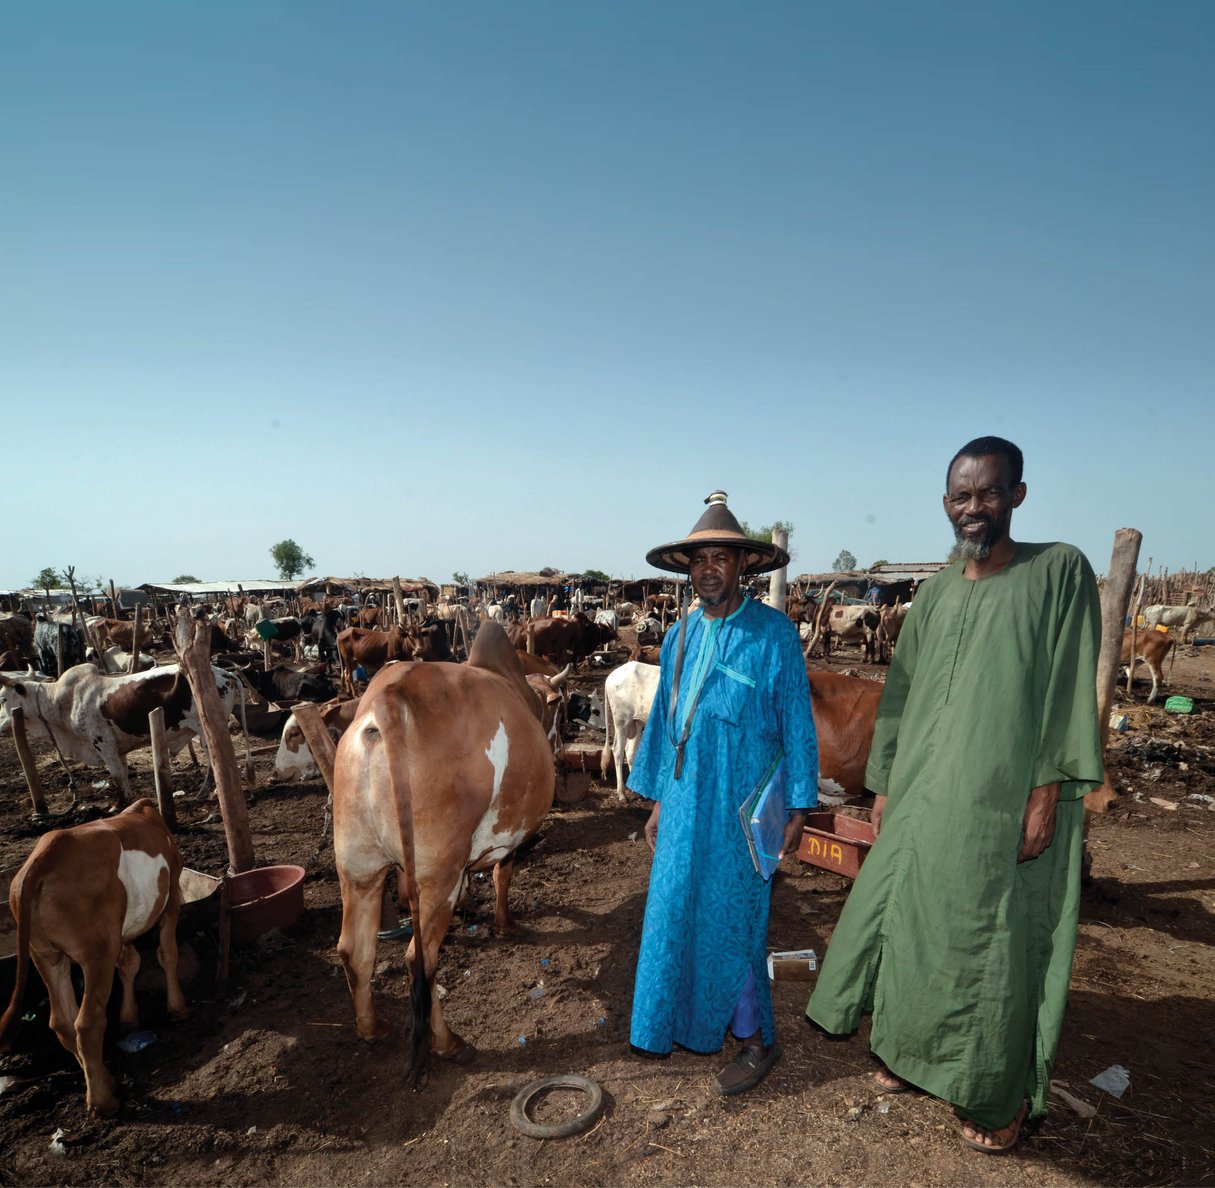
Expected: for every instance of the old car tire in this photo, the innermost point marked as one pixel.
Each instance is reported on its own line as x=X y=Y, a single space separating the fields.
x=571 y=1126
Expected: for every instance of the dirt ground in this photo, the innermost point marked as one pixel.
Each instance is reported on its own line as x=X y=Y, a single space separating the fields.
x=267 y=1083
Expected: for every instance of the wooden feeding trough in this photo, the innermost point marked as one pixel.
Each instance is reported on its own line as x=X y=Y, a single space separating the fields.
x=836 y=842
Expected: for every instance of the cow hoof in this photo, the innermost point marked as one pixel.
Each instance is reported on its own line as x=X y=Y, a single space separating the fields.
x=378 y=1032
x=105 y=1108
x=463 y=1056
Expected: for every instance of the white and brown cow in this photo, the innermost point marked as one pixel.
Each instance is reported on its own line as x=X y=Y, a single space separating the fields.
x=445 y=770
x=82 y=897
x=97 y=719
x=293 y=760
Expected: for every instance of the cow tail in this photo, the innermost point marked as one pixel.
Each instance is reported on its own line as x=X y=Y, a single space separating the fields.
x=26 y=891
x=607 y=737
x=395 y=748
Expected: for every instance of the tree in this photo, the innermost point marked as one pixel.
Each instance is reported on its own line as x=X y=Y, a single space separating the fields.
x=184 y=578
x=879 y=563
x=844 y=562
x=597 y=575
x=765 y=533
x=290 y=559
x=49 y=579
x=461 y=578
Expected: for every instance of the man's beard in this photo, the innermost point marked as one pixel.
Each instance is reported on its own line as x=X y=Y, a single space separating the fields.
x=720 y=598
x=975 y=548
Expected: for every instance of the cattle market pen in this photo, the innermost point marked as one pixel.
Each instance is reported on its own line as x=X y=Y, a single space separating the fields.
x=266 y=1082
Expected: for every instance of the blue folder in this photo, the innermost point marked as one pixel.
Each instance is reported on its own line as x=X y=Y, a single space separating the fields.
x=763 y=816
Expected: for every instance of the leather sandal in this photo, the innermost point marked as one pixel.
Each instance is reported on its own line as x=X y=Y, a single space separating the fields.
x=746 y=1070
x=1013 y=1129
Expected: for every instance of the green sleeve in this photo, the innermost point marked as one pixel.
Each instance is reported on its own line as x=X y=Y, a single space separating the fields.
x=894 y=699
x=1069 y=751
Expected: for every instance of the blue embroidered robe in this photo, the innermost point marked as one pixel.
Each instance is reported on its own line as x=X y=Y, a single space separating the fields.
x=706 y=917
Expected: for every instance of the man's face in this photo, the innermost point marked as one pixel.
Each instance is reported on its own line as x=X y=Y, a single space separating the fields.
x=979 y=502
x=715 y=571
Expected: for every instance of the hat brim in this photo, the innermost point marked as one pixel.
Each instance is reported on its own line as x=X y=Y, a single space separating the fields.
x=762 y=557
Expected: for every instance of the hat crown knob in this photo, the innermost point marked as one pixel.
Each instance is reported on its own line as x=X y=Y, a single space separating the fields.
x=716 y=497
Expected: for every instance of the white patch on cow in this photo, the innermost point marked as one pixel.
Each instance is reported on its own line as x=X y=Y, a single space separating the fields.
x=498 y=752
x=139 y=873
x=489 y=843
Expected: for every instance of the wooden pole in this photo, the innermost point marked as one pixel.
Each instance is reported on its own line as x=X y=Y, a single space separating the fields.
x=60 y=667
x=32 y=779
x=308 y=717
x=399 y=599
x=1115 y=596
x=161 y=768
x=113 y=601
x=133 y=663
x=778 y=581
x=192 y=639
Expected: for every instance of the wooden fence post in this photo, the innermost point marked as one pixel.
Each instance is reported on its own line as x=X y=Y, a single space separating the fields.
x=32 y=779
x=192 y=641
x=1115 y=596
x=308 y=718
x=133 y=663
x=161 y=768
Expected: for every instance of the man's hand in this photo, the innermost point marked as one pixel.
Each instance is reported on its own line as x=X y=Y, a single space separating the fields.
x=876 y=813
x=651 y=827
x=793 y=834
x=1039 y=827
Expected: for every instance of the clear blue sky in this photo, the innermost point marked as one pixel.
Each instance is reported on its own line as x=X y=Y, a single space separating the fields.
x=483 y=286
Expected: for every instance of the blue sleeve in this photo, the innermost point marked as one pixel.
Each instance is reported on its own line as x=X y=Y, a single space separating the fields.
x=798 y=738
x=645 y=775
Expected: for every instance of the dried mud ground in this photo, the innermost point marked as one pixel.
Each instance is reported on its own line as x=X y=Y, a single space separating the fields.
x=267 y=1082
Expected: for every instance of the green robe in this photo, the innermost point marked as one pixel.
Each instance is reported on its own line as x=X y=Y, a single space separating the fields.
x=963 y=954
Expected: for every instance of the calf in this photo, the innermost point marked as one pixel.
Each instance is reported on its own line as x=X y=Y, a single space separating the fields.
x=1151 y=647
x=82 y=897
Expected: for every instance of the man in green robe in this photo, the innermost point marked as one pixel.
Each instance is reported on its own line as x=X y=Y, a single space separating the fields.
x=959 y=932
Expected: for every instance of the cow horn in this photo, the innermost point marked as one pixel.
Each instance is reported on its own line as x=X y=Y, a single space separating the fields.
x=555 y=682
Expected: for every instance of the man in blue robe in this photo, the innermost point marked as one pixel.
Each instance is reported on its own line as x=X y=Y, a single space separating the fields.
x=733 y=695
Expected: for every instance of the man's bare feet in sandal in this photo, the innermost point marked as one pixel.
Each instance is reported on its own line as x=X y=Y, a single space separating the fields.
x=993 y=1142
x=887 y=1082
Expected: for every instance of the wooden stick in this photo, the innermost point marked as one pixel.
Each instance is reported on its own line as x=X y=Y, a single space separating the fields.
x=32 y=779
x=59 y=649
x=1115 y=595
x=161 y=768
x=133 y=663
x=192 y=642
x=308 y=717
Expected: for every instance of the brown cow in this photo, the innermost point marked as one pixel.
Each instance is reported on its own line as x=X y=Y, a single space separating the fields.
x=1151 y=647
x=445 y=770
x=82 y=897
x=371 y=650
x=564 y=641
x=844 y=709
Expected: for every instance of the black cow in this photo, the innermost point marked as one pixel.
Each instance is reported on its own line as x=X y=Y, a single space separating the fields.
x=323 y=628
x=285 y=684
x=46 y=646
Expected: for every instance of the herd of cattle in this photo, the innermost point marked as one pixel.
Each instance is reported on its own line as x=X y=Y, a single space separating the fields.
x=443 y=767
